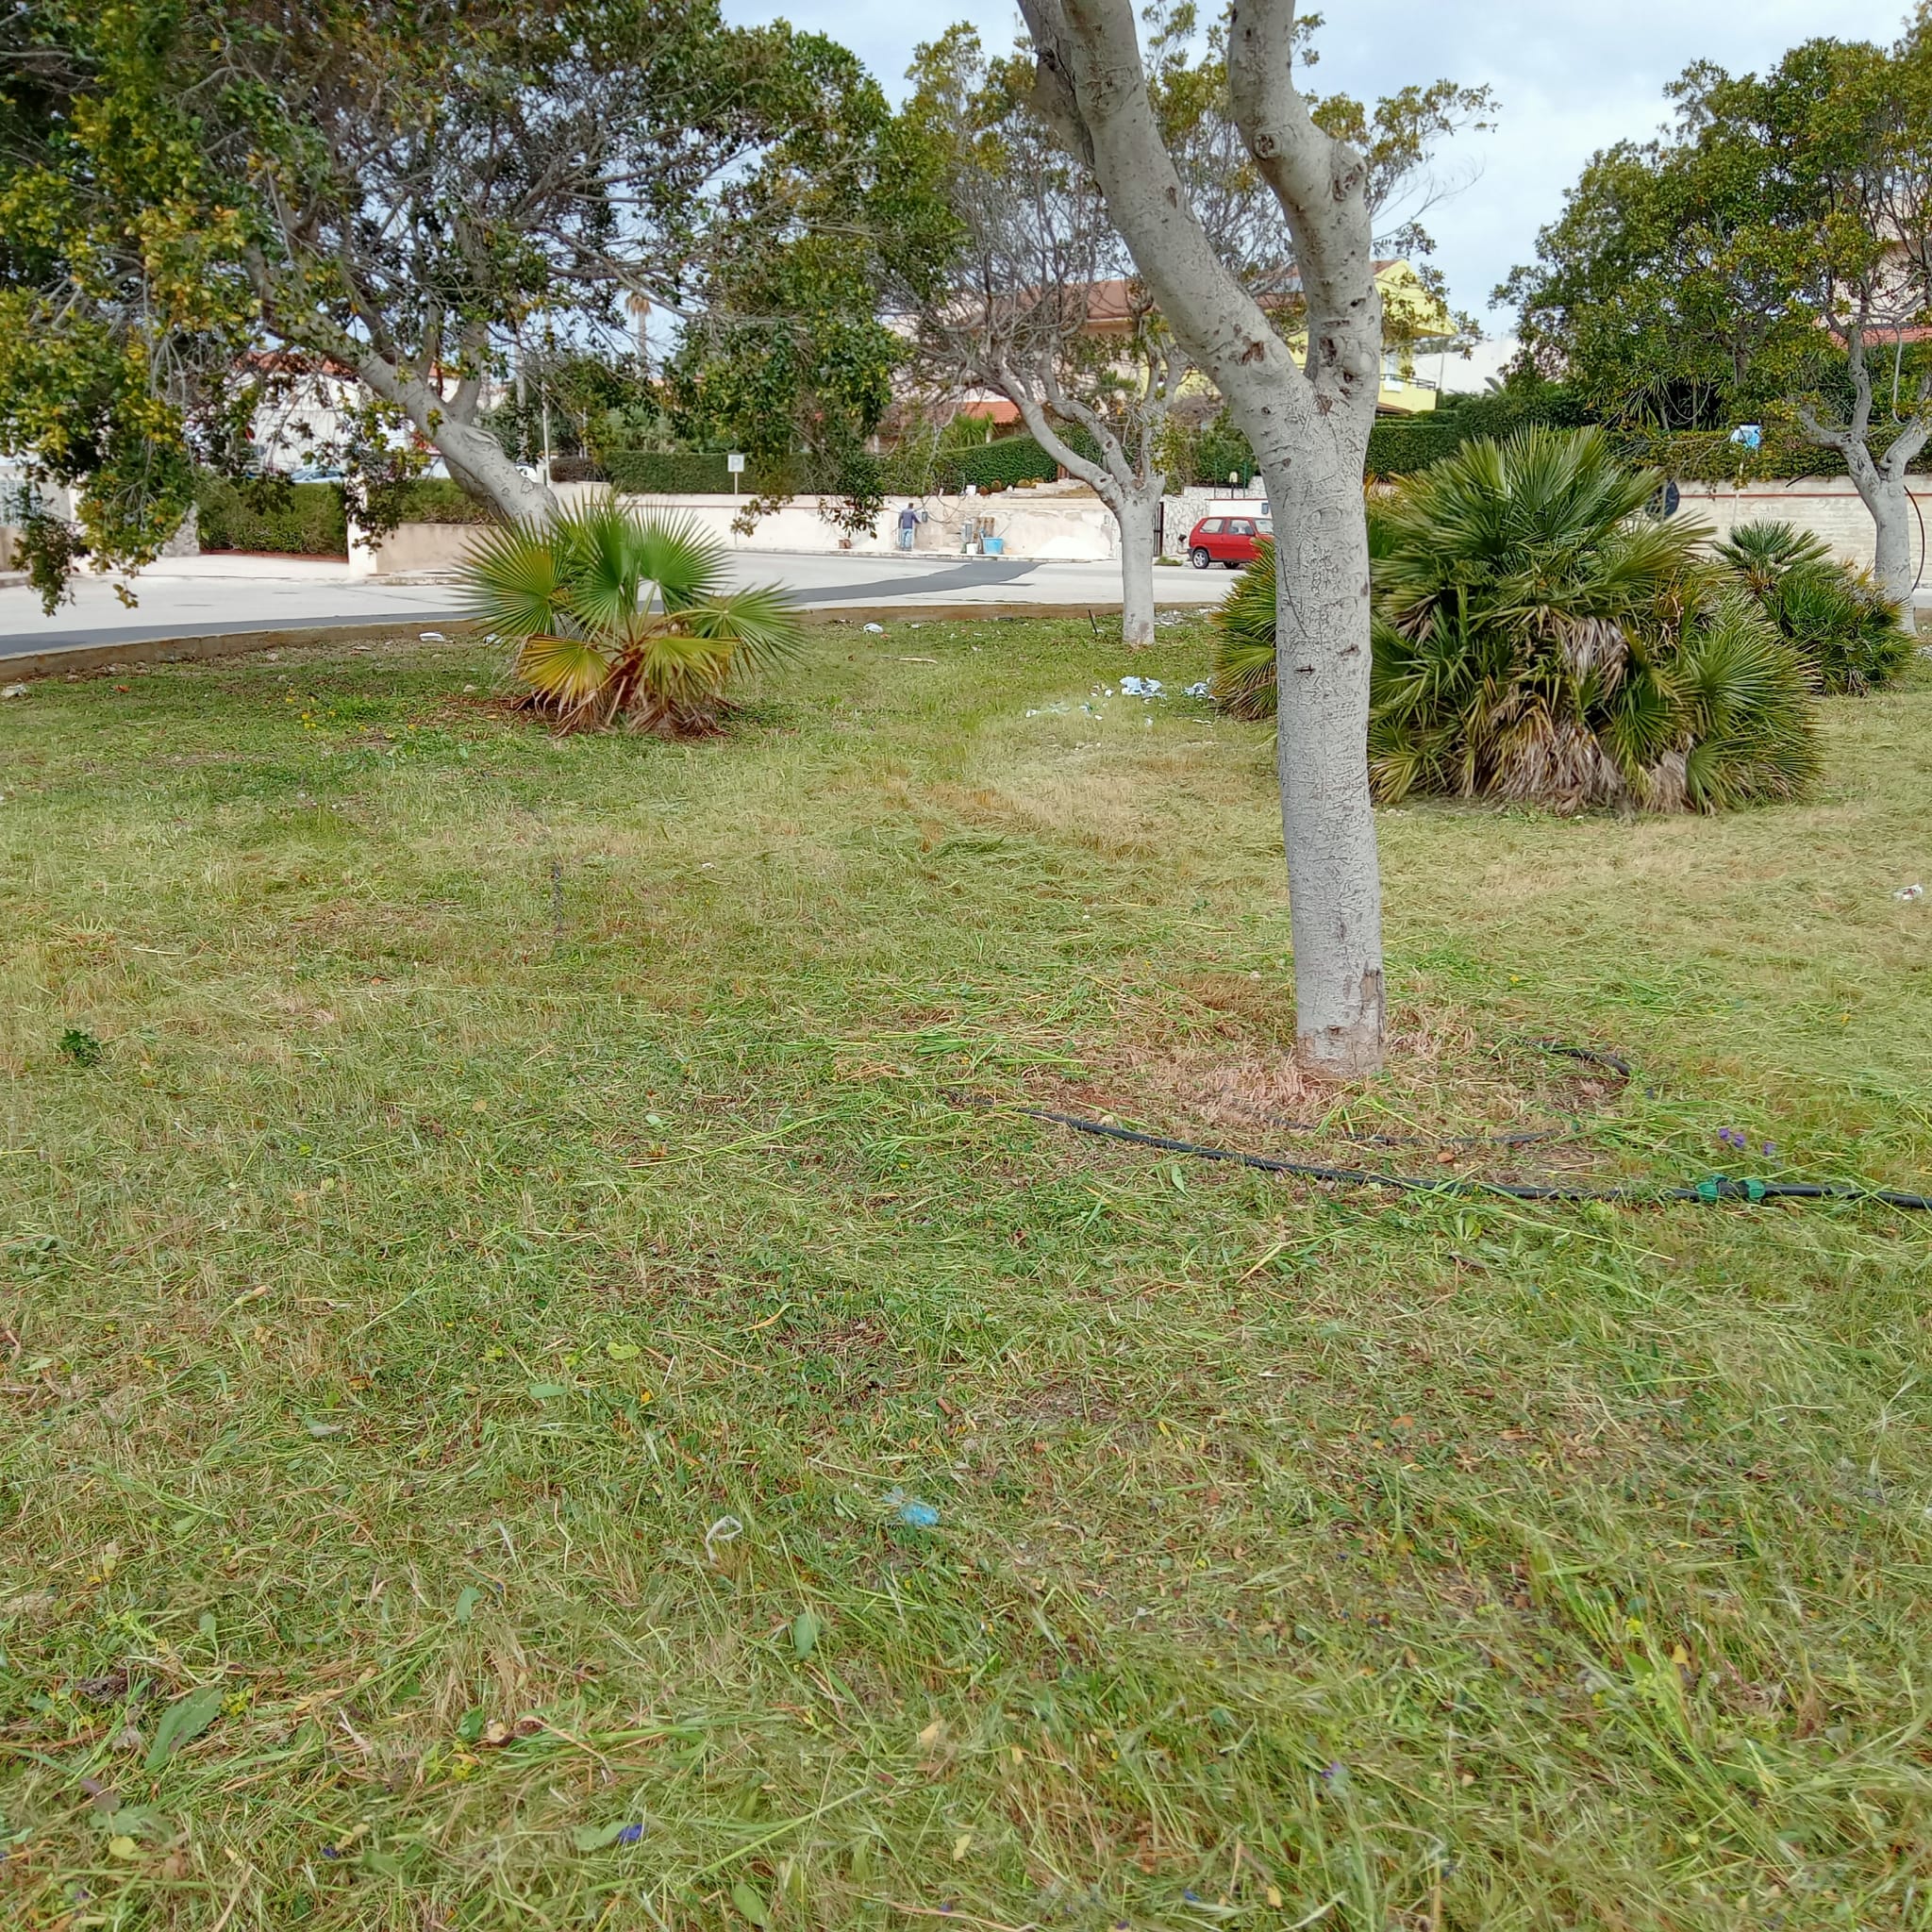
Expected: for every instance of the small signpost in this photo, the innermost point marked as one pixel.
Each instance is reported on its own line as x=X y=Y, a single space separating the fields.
x=735 y=463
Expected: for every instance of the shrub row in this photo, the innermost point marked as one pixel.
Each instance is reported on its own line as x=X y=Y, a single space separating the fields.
x=1406 y=448
x=285 y=519
x=270 y=513
x=675 y=473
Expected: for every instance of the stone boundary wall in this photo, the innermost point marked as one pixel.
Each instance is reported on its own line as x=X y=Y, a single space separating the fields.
x=1827 y=507
x=1075 y=526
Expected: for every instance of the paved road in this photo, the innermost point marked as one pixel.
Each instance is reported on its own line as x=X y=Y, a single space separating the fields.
x=217 y=596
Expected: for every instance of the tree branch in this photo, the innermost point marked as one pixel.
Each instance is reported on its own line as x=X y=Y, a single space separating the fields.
x=1322 y=185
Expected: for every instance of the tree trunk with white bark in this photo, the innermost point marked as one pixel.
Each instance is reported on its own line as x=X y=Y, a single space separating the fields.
x=1136 y=513
x=1879 y=481
x=1328 y=820
x=1892 y=524
x=1309 y=427
x=1131 y=491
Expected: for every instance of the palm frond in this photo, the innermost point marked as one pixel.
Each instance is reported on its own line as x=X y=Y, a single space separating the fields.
x=1758 y=553
x=598 y=548
x=1537 y=636
x=516 y=584
x=761 y=624
x=578 y=597
x=567 y=670
x=1243 y=680
x=686 y=565
x=679 y=669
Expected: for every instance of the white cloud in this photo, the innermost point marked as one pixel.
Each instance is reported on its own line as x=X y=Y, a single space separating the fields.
x=1571 y=76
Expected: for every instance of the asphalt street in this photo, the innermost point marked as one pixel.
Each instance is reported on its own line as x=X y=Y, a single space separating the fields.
x=226 y=595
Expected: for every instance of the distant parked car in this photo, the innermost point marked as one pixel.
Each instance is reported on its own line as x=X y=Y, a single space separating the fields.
x=1226 y=541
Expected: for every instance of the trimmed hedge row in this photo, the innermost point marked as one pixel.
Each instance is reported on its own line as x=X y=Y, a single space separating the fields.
x=437 y=500
x=1400 y=446
x=679 y=473
x=1699 y=456
x=270 y=513
x=285 y=519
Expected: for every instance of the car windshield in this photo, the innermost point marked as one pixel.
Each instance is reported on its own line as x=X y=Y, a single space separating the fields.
x=1265 y=526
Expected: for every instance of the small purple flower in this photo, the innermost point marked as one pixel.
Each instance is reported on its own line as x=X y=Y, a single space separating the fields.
x=1193 y=1897
x=630 y=1834
x=1332 y=1771
x=1770 y=1146
x=331 y=1852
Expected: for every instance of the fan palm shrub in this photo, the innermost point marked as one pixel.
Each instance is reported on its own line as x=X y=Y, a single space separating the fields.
x=1758 y=554
x=1538 y=638
x=621 y=619
x=1844 y=627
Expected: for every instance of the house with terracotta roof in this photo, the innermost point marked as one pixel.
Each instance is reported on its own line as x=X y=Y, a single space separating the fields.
x=1419 y=333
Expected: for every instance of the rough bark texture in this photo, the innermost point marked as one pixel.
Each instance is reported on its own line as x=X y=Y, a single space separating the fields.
x=1310 y=430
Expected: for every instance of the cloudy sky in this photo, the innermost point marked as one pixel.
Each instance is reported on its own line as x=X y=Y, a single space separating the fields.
x=1571 y=75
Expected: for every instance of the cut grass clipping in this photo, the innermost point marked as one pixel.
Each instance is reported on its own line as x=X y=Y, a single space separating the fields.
x=522 y=1404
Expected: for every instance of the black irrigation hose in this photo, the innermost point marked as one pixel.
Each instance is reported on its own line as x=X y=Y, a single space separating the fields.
x=1718 y=1187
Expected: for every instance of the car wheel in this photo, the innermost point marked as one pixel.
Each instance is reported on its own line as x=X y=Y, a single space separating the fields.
x=1199 y=558
x=1230 y=563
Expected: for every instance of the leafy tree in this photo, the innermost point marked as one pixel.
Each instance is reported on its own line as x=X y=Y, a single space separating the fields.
x=396 y=189
x=1042 y=302
x=785 y=356
x=1773 y=253
x=619 y=619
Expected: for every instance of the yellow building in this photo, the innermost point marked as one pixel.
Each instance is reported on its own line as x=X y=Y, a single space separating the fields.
x=1416 y=332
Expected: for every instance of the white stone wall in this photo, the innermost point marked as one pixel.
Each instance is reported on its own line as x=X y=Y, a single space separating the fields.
x=1827 y=507
x=1077 y=528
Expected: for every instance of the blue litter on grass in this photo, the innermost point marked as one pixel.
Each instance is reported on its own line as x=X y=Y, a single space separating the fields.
x=919 y=1516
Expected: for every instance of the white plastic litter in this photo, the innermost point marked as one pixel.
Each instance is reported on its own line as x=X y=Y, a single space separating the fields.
x=14 y=691
x=432 y=637
x=878 y=630
x=1140 y=688
x=1196 y=690
x=1910 y=892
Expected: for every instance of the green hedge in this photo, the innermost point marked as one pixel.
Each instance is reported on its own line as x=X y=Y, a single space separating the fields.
x=437 y=500
x=285 y=519
x=270 y=513
x=1710 y=456
x=688 y=473
x=1399 y=446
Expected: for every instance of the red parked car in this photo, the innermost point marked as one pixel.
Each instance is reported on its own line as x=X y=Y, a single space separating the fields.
x=1228 y=541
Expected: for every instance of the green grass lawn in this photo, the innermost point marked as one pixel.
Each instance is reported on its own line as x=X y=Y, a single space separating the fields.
x=487 y=1336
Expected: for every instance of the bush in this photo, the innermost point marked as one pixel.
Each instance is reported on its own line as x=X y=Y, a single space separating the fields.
x=1850 y=636
x=272 y=514
x=437 y=500
x=689 y=472
x=1402 y=447
x=1537 y=637
x=283 y=519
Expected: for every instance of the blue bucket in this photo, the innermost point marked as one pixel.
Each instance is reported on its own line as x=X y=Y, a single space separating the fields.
x=994 y=545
